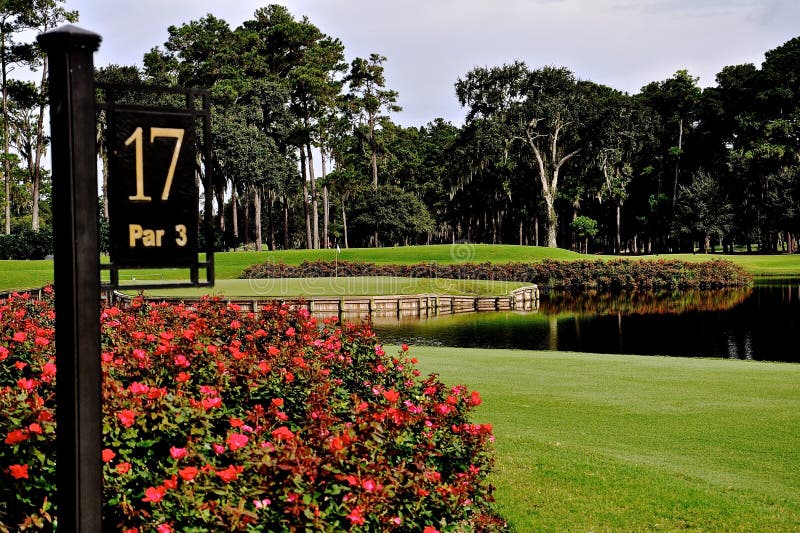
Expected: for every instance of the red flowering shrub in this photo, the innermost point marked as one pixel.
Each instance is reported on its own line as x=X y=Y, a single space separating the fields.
x=218 y=420
x=615 y=275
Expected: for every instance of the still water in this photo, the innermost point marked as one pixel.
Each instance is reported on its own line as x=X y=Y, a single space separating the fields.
x=761 y=323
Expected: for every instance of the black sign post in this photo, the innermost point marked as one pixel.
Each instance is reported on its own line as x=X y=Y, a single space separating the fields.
x=76 y=264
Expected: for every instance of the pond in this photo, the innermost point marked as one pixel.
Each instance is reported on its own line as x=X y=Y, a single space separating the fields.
x=759 y=323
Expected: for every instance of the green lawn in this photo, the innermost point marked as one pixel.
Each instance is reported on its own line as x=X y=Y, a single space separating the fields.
x=229 y=265
x=590 y=442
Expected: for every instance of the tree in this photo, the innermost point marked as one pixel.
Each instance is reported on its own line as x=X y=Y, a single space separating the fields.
x=626 y=130
x=585 y=228
x=543 y=110
x=676 y=100
x=368 y=99
x=702 y=211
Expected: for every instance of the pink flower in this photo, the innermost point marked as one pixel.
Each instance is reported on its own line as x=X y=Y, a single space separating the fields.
x=19 y=471
x=430 y=529
x=368 y=485
x=404 y=347
x=154 y=494
x=266 y=502
x=188 y=473
x=163 y=528
x=218 y=448
x=391 y=395
x=19 y=336
x=35 y=428
x=108 y=455
x=126 y=417
x=282 y=433
x=229 y=474
x=177 y=453
x=236 y=441
x=16 y=436
x=181 y=361
x=475 y=398
x=3 y=353
x=211 y=403
x=290 y=332
x=139 y=388
x=49 y=369
x=356 y=517
x=123 y=468
x=26 y=384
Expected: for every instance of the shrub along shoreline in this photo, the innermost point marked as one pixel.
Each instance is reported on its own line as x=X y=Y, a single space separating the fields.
x=616 y=275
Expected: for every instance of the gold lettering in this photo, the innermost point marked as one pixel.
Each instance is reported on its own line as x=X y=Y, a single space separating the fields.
x=134 y=233
x=149 y=237
x=136 y=137
x=177 y=134
x=182 y=238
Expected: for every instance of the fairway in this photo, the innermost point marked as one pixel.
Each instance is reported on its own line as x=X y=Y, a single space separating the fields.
x=328 y=287
x=631 y=443
x=15 y=275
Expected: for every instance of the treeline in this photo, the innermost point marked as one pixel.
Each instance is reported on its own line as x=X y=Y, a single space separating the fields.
x=305 y=154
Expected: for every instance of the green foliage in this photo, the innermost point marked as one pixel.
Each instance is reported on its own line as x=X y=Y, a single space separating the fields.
x=27 y=244
x=215 y=419
x=584 y=227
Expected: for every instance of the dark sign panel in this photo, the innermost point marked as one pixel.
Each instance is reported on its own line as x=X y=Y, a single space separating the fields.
x=153 y=191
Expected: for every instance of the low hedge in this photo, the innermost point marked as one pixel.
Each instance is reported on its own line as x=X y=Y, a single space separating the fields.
x=219 y=420
x=615 y=275
x=27 y=244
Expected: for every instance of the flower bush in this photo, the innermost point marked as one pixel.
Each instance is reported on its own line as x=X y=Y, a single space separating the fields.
x=219 y=420
x=614 y=275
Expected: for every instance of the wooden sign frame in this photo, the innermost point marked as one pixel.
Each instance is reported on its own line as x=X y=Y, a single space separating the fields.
x=157 y=141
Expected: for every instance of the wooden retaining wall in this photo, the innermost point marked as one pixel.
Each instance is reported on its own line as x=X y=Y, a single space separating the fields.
x=397 y=306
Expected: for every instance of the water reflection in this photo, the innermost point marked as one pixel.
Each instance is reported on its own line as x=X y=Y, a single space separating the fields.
x=758 y=323
x=655 y=303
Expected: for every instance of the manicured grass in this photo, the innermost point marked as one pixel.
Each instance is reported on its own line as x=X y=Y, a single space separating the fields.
x=591 y=442
x=321 y=287
x=758 y=265
x=229 y=265
x=16 y=275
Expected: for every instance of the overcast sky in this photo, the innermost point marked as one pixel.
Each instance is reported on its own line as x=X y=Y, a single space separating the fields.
x=431 y=43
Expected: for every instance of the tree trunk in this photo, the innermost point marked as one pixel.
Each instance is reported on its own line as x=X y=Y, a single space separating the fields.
x=326 y=215
x=552 y=222
x=618 y=237
x=374 y=155
x=326 y=206
x=536 y=231
x=271 y=219
x=37 y=165
x=677 y=163
x=285 y=223
x=246 y=217
x=6 y=134
x=344 y=226
x=220 y=194
x=314 y=200
x=306 y=208
x=257 y=215
x=104 y=160
x=520 y=233
x=235 y=214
